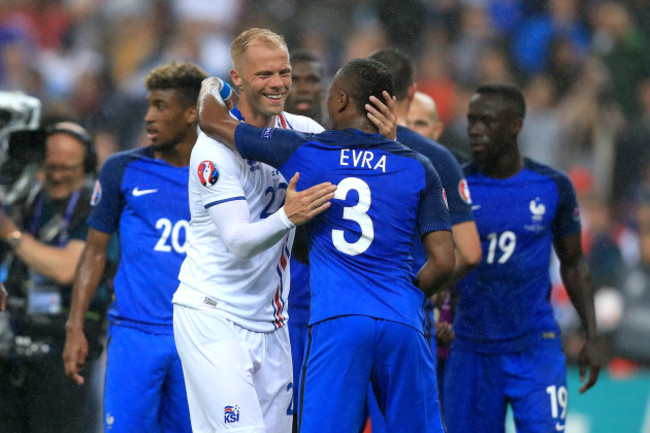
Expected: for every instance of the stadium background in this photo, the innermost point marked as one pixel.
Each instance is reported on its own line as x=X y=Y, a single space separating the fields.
x=584 y=66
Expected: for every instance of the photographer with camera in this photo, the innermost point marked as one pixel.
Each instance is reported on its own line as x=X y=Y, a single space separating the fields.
x=45 y=236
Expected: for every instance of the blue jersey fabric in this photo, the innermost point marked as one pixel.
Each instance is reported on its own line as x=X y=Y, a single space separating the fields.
x=504 y=305
x=146 y=199
x=451 y=176
x=359 y=247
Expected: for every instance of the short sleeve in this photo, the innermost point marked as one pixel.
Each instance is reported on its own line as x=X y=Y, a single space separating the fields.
x=107 y=200
x=567 y=217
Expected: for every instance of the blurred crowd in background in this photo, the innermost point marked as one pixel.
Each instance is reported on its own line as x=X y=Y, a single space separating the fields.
x=584 y=67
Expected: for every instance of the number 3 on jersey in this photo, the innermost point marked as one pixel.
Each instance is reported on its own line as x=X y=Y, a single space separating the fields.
x=356 y=213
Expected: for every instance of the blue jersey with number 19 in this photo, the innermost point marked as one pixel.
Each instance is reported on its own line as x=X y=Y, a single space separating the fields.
x=360 y=246
x=146 y=199
x=504 y=305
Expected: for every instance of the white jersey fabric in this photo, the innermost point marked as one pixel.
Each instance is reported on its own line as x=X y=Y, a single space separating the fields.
x=251 y=293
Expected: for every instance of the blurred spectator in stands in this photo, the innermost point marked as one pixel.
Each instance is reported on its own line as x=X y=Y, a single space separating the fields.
x=632 y=162
x=532 y=41
x=542 y=135
x=632 y=337
x=475 y=36
x=623 y=49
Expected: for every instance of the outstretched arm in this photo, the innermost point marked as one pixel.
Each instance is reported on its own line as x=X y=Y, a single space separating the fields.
x=577 y=280
x=214 y=113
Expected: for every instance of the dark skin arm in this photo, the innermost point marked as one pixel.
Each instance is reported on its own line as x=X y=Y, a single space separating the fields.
x=87 y=277
x=577 y=280
x=439 y=268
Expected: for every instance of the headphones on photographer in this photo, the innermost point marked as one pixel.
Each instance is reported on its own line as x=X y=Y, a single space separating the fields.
x=79 y=133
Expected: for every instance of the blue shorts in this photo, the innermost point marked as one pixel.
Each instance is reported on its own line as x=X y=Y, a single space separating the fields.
x=298 y=338
x=478 y=387
x=344 y=354
x=144 y=390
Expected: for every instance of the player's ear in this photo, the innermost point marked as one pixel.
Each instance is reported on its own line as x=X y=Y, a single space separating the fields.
x=234 y=76
x=342 y=101
x=191 y=114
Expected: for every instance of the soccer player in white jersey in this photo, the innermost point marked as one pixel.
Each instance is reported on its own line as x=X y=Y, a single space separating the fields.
x=230 y=308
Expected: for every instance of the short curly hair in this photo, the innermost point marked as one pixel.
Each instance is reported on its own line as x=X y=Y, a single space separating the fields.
x=185 y=78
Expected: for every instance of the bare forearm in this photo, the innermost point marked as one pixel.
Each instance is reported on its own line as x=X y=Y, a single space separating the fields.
x=87 y=277
x=467 y=248
x=52 y=262
x=439 y=268
x=577 y=280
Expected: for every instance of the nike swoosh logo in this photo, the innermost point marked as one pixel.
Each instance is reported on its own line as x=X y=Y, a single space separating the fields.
x=138 y=192
x=559 y=427
x=476 y=207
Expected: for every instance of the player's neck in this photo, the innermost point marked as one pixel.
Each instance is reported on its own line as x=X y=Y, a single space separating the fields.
x=179 y=156
x=507 y=165
x=360 y=123
x=255 y=118
x=402 y=111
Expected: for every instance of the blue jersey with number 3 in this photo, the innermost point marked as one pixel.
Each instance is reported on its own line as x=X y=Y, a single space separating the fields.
x=504 y=305
x=147 y=200
x=360 y=246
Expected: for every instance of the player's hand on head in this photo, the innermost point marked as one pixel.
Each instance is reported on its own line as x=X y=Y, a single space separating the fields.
x=302 y=206
x=592 y=357
x=74 y=354
x=382 y=114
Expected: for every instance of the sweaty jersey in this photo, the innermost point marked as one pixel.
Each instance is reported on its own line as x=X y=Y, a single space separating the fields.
x=504 y=305
x=451 y=176
x=146 y=200
x=250 y=292
x=359 y=248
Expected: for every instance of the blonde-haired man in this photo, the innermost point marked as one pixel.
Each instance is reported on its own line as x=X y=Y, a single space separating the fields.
x=230 y=316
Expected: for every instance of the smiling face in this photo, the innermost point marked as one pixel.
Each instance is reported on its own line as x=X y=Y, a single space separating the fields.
x=63 y=166
x=167 y=120
x=264 y=79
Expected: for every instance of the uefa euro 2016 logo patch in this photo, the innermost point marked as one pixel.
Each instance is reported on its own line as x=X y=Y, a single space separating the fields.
x=97 y=193
x=230 y=414
x=208 y=173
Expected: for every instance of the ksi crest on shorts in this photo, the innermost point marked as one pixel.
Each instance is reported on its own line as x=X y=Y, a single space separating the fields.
x=208 y=173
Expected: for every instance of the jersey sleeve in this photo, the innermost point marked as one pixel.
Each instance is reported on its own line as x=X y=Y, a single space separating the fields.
x=433 y=213
x=107 y=200
x=273 y=146
x=214 y=172
x=567 y=217
x=456 y=188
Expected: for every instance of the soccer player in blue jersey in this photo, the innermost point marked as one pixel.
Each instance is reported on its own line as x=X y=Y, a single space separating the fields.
x=507 y=348
x=465 y=235
x=466 y=241
x=142 y=194
x=366 y=307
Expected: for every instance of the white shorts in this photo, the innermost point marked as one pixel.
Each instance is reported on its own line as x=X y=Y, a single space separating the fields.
x=237 y=380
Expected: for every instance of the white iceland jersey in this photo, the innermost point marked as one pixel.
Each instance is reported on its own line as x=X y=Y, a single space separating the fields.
x=251 y=292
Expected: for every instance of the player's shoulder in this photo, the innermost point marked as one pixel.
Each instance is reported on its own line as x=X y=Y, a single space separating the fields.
x=207 y=146
x=301 y=123
x=436 y=152
x=118 y=161
x=557 y=176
